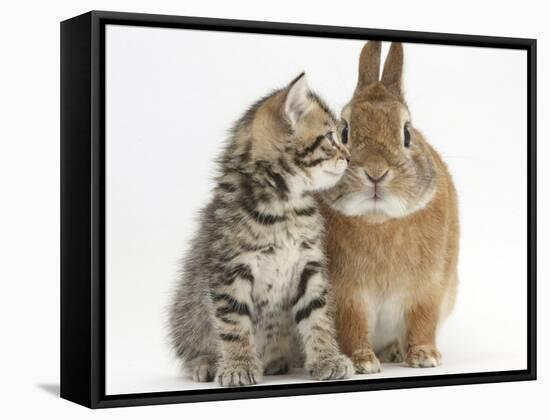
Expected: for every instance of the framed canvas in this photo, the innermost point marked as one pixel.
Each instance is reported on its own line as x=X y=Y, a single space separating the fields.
x=187 y=274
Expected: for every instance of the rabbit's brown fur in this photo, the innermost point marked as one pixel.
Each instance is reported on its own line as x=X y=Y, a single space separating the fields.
x=393 y=258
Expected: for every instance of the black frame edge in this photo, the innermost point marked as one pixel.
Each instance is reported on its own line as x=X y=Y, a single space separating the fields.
x=312 y=388
x=313 y=30
x=98 y=209
x=76 y=188
x=532 y=207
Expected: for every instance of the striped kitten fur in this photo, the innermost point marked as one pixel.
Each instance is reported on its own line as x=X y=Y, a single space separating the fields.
x=252 y=296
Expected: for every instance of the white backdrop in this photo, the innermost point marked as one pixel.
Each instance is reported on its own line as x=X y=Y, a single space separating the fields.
x=172 y=95
x=29 y=222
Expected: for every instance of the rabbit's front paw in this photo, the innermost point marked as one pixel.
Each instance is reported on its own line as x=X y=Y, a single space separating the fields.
x=332 y=367
x=424 y=356
x=239 y=373
x=365 y=361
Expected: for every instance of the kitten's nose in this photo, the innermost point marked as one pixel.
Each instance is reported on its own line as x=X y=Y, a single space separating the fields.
x=377 y=179
x=346 y=156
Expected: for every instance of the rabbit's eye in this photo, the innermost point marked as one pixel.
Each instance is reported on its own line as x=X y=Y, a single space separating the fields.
x=345 y=134
x=406 y=136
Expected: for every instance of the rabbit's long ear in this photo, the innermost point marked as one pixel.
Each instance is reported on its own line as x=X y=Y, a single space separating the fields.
x=369 y=64
x=392 y=76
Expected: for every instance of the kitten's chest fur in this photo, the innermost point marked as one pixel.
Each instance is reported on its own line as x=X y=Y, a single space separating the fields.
x=275 y=274
x=277 y=269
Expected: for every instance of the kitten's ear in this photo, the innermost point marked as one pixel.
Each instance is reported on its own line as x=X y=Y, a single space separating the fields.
x=297 y=99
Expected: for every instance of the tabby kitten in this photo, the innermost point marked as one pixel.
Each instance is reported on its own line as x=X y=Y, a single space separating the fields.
x=253 y=289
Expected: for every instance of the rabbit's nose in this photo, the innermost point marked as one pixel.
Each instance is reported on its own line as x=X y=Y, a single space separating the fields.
x=377 y=179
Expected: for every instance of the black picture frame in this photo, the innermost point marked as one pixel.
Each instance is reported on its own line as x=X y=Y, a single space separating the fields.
x=83 y=208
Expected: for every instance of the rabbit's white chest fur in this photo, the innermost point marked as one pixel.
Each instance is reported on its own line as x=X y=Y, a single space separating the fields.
x=386 y=319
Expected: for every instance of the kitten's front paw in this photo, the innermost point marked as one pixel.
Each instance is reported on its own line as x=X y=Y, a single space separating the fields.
x=365 y=361
x=424 y=356
x=239 y=373
x=332 y=367
x=203 y=373
x=202 y=368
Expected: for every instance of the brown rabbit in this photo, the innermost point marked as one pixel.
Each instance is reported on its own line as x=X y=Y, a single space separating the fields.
x=392 y=226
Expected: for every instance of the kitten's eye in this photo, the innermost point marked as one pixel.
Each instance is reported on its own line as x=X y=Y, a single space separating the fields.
x=406 y=135
x=345 y=134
